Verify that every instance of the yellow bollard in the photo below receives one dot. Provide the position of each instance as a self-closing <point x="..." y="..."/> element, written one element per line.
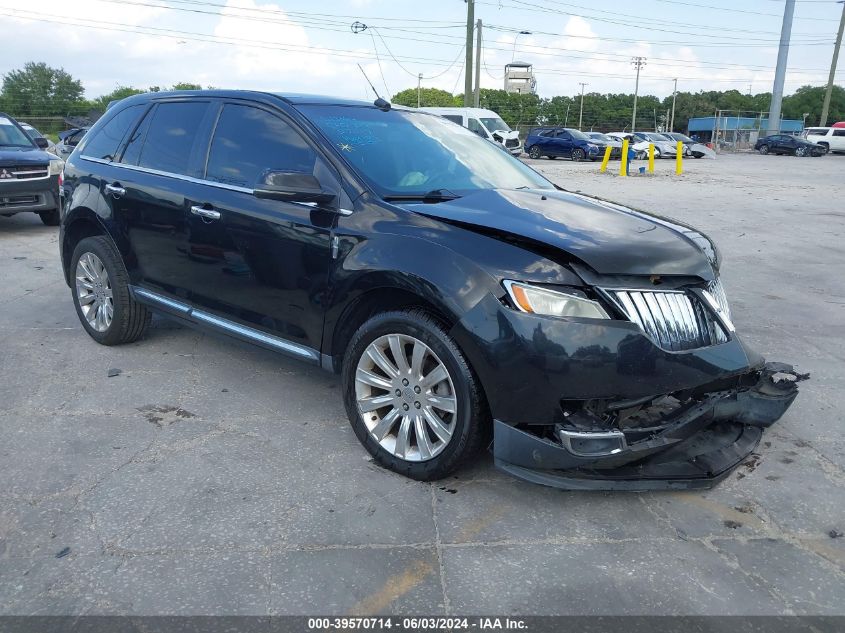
<point x="606" y="159"/>
<point x="679" y="159"/>
<point x="623" y="164"/>
<point x="651" y="158"/>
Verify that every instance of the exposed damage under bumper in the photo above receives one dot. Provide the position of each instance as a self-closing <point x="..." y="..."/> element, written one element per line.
<point x="683" y="441"/>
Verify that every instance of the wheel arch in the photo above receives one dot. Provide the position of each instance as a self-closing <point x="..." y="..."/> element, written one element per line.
<point x="381" y="295"/>
<point x="84" y="223"/>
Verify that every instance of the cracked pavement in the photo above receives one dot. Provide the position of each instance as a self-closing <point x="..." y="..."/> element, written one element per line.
<point x="211" y="478"/>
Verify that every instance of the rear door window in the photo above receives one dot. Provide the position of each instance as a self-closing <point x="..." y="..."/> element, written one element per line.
<point x="839" y="132"/>
<point x="104" y="143"/>
<point x="454" y="118"/>
<point x="248" y="141"/>
<point x="171" y="136"/>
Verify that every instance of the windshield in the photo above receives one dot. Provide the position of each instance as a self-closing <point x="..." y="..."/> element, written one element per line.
<point x="579" y="135"/>
<point x="31" y="131"/>
<point x="601" y="137"/>
<point x="654" y="137"/>
<point x="405" y="153"/>
<point x="495" y="123"/>
<point x="682" y="137"/>
<point x="11" y="135"/>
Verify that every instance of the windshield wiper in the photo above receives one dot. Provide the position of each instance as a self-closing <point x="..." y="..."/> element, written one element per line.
<point x="433" y="196"/>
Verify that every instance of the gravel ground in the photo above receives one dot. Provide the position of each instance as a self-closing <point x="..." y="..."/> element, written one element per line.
<point x="208" y="478"/>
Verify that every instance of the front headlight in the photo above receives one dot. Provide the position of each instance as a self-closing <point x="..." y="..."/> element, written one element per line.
<point x="56" y="167"/>
<point x="552" y="303"/>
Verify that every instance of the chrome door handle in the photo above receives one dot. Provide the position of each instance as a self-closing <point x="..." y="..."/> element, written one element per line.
<point x="115" y="190"/>
<point x="211" y="214"/>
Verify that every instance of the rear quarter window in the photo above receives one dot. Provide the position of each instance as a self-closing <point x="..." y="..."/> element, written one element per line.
<point x="104" y="143"/>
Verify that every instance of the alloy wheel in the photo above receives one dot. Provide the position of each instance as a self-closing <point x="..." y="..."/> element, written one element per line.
<point x="406" y="397"/>
<point x="764" y="149"/>
<point x="578" y="154"/>
<point x="534" y="152"/>
<point x="94" y="292"/>
<point x="801" y="151"/>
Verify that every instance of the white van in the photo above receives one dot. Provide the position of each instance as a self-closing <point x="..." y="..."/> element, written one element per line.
<point x="833" y="138"/>
<point x="483" y="122"/>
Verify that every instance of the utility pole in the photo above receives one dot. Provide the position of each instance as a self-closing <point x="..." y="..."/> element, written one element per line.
<point x="780" y="69"/>
<point x="826" y="104"/>
<point x="674" y="96"/>
<point x="581" y="113"/>
<point x="638" y="62"/>
<point x="419" y="87"/>
<point x="477" y="95"/>
<point x="468" y="63"/>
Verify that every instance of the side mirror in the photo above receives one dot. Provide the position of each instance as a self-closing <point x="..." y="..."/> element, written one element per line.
<point x="42" y="142"/>
<point x="291" y="186"/>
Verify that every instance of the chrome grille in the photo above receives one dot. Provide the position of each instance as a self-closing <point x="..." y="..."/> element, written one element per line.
<point x="715" y="288"/>
<point x="23" y="172"/>
<point x="675" y="320"/>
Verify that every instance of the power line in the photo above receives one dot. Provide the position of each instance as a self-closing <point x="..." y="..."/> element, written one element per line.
<point x="733" y="40"/>
<point x="259" y="44"/>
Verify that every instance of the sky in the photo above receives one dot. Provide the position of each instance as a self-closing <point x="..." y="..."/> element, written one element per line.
<point x="310" y="46"/>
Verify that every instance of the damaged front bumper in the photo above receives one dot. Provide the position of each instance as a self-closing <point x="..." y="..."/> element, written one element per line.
<point x="695" y="445"/>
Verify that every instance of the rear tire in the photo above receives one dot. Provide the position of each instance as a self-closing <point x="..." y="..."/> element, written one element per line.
<point x="764" y="149"/>
<point x="123" y="319"/>
<point x="534" y="152"/>
<point x="50" y="218"/>
<point x="800" y="151"/>
<point x="415" y="448"/>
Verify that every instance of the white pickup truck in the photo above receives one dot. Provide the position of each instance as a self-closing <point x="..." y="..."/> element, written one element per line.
<point x="833" y="138"/>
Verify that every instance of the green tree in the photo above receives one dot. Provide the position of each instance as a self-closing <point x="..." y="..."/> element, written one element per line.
<point x="39" y="90"/>
<point x="429" y="98"/>
<point x="121" y="92"/>
<point x="809" y="99"/>
<point x="184" y="85"/>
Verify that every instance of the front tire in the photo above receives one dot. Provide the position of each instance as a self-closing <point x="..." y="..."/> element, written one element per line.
<point x="411" y="397"/>
<point x="578" y="154"/>
<point x="50" y="218"/>
<point x="534" y="152"/>
<point x="100" y="288"/>
<point x="764" y="149"/>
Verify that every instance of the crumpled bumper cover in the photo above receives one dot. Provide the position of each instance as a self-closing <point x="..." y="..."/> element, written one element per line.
<point x="703" y="443"/>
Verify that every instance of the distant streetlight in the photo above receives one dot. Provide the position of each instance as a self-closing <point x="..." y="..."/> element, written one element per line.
<point x="513" y="55"/>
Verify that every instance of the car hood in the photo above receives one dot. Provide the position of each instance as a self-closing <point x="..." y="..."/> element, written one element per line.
<point x="24" y="156"/>
<point x="609" y="238"/>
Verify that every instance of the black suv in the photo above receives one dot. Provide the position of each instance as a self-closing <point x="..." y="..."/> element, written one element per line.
<point x="30" y="177"/>
<point x="459" y="293"/>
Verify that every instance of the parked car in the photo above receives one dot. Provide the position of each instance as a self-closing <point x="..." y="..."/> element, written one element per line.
<point x="831" y="138"/>
<point x="787" y="144"/>
<point x="454" y="288"/>
<point x="664" y="147"/>
<point x="552" y="142"/>
<point x="696" y="149"/>
<point x="35" y="135"/>
<point x="640" y="147"/>
<point x="603" y="141"/>
<point x="29" y="176"/>
<point x="486" y="123"/>
<point x="68" y="141"/>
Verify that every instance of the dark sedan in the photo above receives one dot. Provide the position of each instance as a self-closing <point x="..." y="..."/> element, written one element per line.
<point x="786" y="144"/>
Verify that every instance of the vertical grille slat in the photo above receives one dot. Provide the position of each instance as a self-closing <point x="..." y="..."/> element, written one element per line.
<point x="675" y="320"/>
